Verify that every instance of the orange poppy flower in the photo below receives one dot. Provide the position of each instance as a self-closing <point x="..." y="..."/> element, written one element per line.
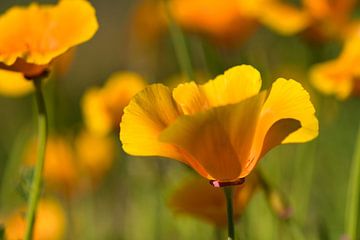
<point x="50" y="222"/>
<point x="103" y="107"/>
<point x="32" y="37"/>
<point x="221" y="20"/>
<point x="198" y="198"/>
<point x="320" y="19"/>
<point x="330" y="18"/>
<point x="341" y="75"/>
<point x="221" y="128"/>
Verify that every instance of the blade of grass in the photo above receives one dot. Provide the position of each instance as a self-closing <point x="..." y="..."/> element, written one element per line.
<point x="352" y="200"/>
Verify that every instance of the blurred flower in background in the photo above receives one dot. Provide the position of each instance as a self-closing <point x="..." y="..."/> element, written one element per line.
<point x="51" y="222"/>
<point x="95" y="154"/>
<point x="197" y="198"/>
<point x="103" y="107"/>
<point x="282" y="17"/>
<point x="60" y="170"/>
<point x="222" y="21"/>
<point x="340" y="76"/>
<point x="148" y="21"/>
<point x="320" y="20"/>
<point x="197" y="124"/>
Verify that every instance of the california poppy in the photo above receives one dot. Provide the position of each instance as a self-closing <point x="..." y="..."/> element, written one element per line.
<point x="222" y="21"/>
<point x="221" y="128"/>
<point x="34" y="36"/>
<point x="103" y="107"/>
<point x="340" y="76"/>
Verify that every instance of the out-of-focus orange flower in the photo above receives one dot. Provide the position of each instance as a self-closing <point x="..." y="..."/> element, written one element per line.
<point x="341" y="75"/>
<point x="33" y="37"/>
<point x="103" y="107"/>
<point x="330" y="18"/>
<point x="60" y="170"/>
<point x="221" y="20"/>
<point x="279" y="16"/>
<point x="148" y="21"/>
<point x="95" y="153"/>
<point x="50" y="222"/>
<point x="320" y="20"/>
<point x="198" y="198"/>
<point x="221" y="128"/>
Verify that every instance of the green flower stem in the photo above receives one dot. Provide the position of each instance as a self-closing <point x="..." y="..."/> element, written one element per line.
<point x="230" y="215"/>
<point x="178" y="40"/>
<point x="352" y="200"/>
<point x="37" y="180"/>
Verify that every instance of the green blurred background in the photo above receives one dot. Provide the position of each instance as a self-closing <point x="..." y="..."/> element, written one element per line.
<point x="132" y="201"/>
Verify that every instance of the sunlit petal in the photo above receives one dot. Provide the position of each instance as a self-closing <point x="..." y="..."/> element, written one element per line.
<point x="218" y="139"/>
<point x="149" y="112"/>
<point x="14" y="84"/>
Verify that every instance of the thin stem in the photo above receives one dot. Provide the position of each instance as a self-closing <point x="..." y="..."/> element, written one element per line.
<point x="178" y="40"/>
<point x="230" y="216"/>
<point x="352" y="201"/>
<point x="36" y="184"/>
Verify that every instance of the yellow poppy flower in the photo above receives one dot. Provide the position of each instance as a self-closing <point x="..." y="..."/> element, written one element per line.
<point x="341" y="75"/>
<point x="198" y="198"/>
<point x="221" y="20"/>
<point x="221" y="128"/>
<point x="60" y="170"/>
<point x="97" y="161"/>
<point x="32" y="37"/>
<point x="103" y="107"/>
<point x="50" y="222"/>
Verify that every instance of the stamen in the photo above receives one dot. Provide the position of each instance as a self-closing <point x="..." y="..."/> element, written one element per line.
<point x="217" y="184"/>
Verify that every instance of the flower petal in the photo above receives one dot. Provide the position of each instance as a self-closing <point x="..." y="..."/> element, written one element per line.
<point x="283" y="18"/>
<point x="218" y="140"/>
<point x="149" y="113"/>
<point x="13" y="84"/>
<point x="288" y="99"/>
<point x="332" y="77"/>
<point x="96" y="117"/>
<point x="235" y="85"/>
<point x="287" y="105"/>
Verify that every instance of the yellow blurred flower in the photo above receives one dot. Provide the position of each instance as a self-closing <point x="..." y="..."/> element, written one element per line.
<point x="198" y="198"/>
<point x="341" y="75"/>
<point x="60" y="170"/>
<point x="50" y="223"/>
<point x="95" y="153"/>
<point x="103" y="107"/>
<point x="221" y="20"/>
<point x="34" y="36"/>
<point x="221" y="128"/>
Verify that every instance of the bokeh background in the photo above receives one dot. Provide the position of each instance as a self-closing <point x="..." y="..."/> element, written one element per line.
<point x="131" y="199"/>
